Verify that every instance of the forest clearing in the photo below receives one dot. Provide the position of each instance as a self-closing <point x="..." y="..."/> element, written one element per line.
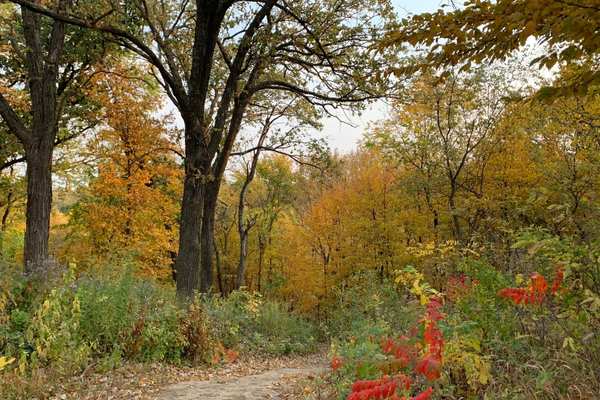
<point x="299" y="199"/>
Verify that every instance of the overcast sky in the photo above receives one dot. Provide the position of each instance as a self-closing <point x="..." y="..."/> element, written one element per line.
<point x="344" y="138"/>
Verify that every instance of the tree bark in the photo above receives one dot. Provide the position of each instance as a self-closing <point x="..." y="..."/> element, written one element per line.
<point x="43" y="78"/>
<point x="190" y="224"/>
<point x="39" y="200"/>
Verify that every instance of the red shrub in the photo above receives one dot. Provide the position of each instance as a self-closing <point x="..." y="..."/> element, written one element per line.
<point x="405" y="352"/>
<point x="535" y="293"/>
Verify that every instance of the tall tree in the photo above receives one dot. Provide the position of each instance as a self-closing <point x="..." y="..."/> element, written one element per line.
<point x="42" y="68"/>
<point x="318" y="50"/>
<point x="281" y="130"/>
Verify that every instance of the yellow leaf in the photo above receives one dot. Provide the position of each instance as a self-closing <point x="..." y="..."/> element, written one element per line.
<point x="5" y="361"/>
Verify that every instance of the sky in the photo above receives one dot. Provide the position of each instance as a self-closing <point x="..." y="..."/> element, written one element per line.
<point x="343" y="137"/>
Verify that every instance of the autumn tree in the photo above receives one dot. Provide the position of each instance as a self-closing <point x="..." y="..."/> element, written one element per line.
<point x="44" y="66"/>
<point x="564" y="142"/>
<point x="481" y="32"/>
<point x="352" y="225"/>
<point x="224" y="245"/>
<point x="281" y="130"/>
<point x="440" y="133"/>
<point x="278" y="188"/>
<point x="130" y="207"/>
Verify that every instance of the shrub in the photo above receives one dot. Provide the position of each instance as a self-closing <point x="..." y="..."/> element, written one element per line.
<point x="197" y="334"/>
<point x="399" y="365"/>
<point x="248" y="321"/>
<point x="365" y="305"/>
<point x="533" y="329"/>
<point x="64" y="323"/>
<point x="130" y="318"/>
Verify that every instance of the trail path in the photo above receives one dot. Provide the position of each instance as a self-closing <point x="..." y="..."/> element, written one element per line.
<point x="272" y="384"/>
<point x="251" y="378"/>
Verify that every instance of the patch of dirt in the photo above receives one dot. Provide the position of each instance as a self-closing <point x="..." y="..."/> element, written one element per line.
<point x="272" y="384"/>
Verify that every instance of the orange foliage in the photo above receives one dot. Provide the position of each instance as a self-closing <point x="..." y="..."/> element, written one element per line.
<point x="130" y="207"/>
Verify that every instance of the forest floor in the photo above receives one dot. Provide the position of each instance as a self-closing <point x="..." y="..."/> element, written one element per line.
<point x="282" y="378"/>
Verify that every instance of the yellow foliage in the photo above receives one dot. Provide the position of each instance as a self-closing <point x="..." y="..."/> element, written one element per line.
<point x="415" y="282"/>
<point x="462" y="356"/>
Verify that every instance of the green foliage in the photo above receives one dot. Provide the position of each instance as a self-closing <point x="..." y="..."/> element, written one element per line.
<point x="55" y="329"/>
<point x="80" y="319"/>
<point x="482" y="31"/>
<point x="248" y="321"/>
<point x="548" y="349"/>
<point x="481" y="308"/>
<point x="366" y="305"/>
<point x="129" y="318"/>
<point x="11" y="244"/>
<point x="54" y="332"/>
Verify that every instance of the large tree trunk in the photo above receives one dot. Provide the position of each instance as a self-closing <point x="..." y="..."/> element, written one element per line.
<point x="38" y="141"/>
<point x="39" y="200"/>
<point x="190" y="224"/>
<point x="202" y="179"/>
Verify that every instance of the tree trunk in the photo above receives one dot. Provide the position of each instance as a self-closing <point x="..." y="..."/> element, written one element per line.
<point x="39" y="200"/>
<point x="241" y="271"/>
<point x="190" y="224"/>
<point x="207" y="238"/>
<point x="261" y="256"/>
<point x="6" y="213"/>
<point x="218" y="267"/>
<point x="244" y="228"/>
<point x="4" y="220"/>
<point x="455" y="221"/>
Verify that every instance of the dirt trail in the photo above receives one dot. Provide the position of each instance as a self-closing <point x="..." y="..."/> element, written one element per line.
<point x="271" y="384"/>
<point x="249" y="377"/>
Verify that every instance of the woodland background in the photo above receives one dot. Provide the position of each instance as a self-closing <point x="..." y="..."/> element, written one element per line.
<point x="457" y="246"/>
